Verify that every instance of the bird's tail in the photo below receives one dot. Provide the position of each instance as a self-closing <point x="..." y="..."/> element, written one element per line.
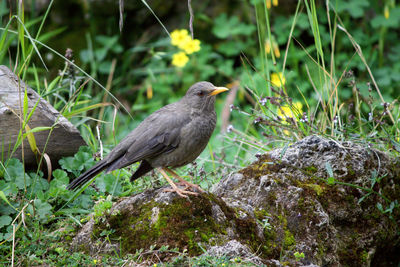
<point x="86" y="176"/>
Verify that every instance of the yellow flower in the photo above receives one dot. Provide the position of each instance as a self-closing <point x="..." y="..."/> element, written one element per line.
<point x="276" y="50"/>
<point x="277" y="79"/>
<point x="274" y="3"/>
<point x="179" y="59"/>
<point x="289" y="112"/>
<point x="149" y="92"/>
<point x="191" y="46"/>
<point x="180" y="37"/>
<point x="386" y="12"/>
<point x="268" y="46"/>
<point x="285" y="112"/>
<point x="268" y="2"/>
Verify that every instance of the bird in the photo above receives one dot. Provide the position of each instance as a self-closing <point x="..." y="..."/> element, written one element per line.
<point x="170" y="137"/>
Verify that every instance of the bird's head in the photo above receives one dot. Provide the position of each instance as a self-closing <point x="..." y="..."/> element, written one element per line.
<point x="201" y="95"/>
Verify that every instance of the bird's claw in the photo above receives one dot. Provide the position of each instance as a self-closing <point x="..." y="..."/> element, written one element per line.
<point x="188" y="185"/>
<point x="181" y="192"/>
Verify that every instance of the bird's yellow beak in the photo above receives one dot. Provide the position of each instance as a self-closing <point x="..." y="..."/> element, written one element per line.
<point x="217" y="90"/>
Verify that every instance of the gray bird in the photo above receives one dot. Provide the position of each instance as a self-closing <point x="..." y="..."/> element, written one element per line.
<point x="171" y="137"/>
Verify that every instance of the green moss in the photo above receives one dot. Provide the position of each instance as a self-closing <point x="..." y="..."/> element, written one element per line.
<point x="316" y="188"/>
<point x="364" y="256"/>
<point x="321" y="248"/>
<point x="84" y="248"/>
<point x="289" y="240"/>
<point x="262" y="167"/>
<point x="261" y="214"/>
<point x="350" y="201"/>
<point x="311" y="169"/>
<point x="300" y="204"/>
<point x="182" y="224"/>
<point x="350" y="172"/>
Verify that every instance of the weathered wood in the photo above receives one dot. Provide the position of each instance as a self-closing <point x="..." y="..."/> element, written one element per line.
<point x="64" y="140"/>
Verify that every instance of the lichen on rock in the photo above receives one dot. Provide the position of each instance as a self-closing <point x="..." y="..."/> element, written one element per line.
<point x="331" y="224"/>
<point x="156" y="218"/>
<point x="274" y="210"/>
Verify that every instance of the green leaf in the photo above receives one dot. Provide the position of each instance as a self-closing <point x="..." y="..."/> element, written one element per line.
<point x="8" y="188"/>
<point x="37" y="129"/>
<point x="8" y="210"/>
<point x="331" y="181"/>
<point x="84" y="201"/>
<point x="61" y="176"/>
<point x="380" y="208"/>
<point x="7" y="235"/>
<point x="41" y="195"/>
<point x="84" y="109"/>
<point x="106" y="183"/>
<point x="58" y="184"/>
<point x="226" y="67"/>
<point x="363" y="197"/>
<point x="25" y="107"/>
<point x="231" y="48"/>
<point x="5" y="220"/>
<point x="46" y="36"/>
<point x="356" y="9"/>
<point x="84" y="160"/>
<point x="4" y="198"/>
<point x="43" y="209"/>
<point x="104" y="67"/>
<point x="225" y="27"/>
<point x="107" y="41"/>
<point x="328" y="168"/>
<point x="41" y="184"/>
<point x="53" y="83"/>
<point x="101" y="53"/>
<point x="3" y="8"/>
<point x="16" y="175"/>
<point x="67" y="163"/>
<point x="85" y="55"/>
<point x="392" y="22"/>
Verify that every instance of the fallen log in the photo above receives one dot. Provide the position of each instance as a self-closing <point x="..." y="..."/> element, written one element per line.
<point x="63" y="140"/>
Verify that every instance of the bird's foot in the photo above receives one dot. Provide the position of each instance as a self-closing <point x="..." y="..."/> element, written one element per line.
<point x="189" y="185"/>
<point x="181" y="192"/>
<point x="183" y="182"/>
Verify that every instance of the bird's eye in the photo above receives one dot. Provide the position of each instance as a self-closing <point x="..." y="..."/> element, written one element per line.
<point x="200" y="93"/>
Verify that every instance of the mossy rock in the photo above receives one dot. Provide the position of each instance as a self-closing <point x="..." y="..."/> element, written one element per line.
<point x="336" y="224"/>
<point x="155" y="218"/>
<point x="280" y="208"/>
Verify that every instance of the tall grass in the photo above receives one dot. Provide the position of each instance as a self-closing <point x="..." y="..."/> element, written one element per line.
<point x="331" y="115"/>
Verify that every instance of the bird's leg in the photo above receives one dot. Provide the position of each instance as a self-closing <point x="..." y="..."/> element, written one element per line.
<point x="180" y="192"/>
<point x="182" y="181"/>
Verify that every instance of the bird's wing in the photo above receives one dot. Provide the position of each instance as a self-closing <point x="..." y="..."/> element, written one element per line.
<point x="158" y="133"/>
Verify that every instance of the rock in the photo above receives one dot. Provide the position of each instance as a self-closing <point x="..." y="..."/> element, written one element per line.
<point x="155" y="218"/>
<point x="64" y="140"/>
<point x="333" y="225"/>
<point x="235" y="249"/>
<point x="282" y="210"/>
